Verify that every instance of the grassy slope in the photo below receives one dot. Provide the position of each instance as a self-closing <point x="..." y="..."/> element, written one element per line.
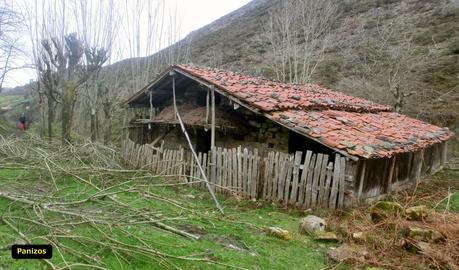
<point x="264" y="252"/>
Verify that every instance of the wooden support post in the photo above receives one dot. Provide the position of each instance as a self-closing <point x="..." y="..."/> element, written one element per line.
<point x="362" y="178"/>
<point x="419" y="161"/>
<point x="390" y="177"/>
<point x="207" y="108"/>
<point x="212" y="131"/>
<point x="151" y="105"/>
<point x="194" y="155"/>
<point x="203" y="174"/>
<point x="172" y="73"/>
<point x="444" y="153"/>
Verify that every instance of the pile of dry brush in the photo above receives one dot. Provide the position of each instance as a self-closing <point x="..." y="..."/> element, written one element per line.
<point x="385" y="243"/>
<point x="40" y="209"/>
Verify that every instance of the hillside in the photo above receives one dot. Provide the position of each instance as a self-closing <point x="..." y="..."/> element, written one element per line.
<point x="239" y="42"/>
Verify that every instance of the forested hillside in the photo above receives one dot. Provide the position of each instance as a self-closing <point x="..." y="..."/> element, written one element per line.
<point x="389" y="51"/>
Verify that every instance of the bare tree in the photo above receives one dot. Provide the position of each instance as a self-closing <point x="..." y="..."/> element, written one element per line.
<point x="97" y="27"/>
<point x="10" y="24"/>
<point x="298" y="34"/>
<point x="384" y="62"/>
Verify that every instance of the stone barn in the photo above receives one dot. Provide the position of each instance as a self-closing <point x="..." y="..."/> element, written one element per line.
<point x="381" y="149"/>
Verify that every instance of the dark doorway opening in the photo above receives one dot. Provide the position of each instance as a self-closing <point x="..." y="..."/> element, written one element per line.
<point x="202" y="140"/>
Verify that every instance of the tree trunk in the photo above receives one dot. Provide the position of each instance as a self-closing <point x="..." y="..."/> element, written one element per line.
<point x="41" y="98"/>
<point x="67" y="105"/>
<point x="50" y="117"/>
<point x="107" y="122"/>
<point x="93" y="125"/>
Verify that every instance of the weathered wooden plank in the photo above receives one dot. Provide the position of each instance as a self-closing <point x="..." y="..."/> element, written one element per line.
<point x="315" y="182"/>
<point x="288" y="179"/>
<point x="222" y="170"/>
<point x="296" y="178"/>
<point x="269" y="177"/>
<point x="390" y="176"/>
<point x="191" y="178"/>
<point x="249" y="172"/>
<point x="265" y="178"/>
<point x="197" y="172"/>
<point x="165" y="162"/>
<point x="235" y="174"/>
<point x="309" y="181"/>
<point x="182" y="162"/>
<point x="322" y="176"/>
<point x="172" y="163"/>
<point x="205" y="168"/>
<point x="342" y="182"/>
<point x="275" y="180"/>
<point x="282" y="177"/>
<point x="335" y="182"/>
<point x="177" y="162"/>
<point x="218" y="183"/>
<point x="304" y="174"/>
<point x="170" y="170"/>
<point x="419" y="161"/>
<point x="444" y="153"/>
<point x="213" y="167"/>
<point x="139" y="153"/>
<point x="226" y="171"/>
<point x="255" y="169"/>
<point x="328" y="180"/>
<point x="244" y="171"/>
<point x="239" y="171"/>
<point x="229" y="171"/>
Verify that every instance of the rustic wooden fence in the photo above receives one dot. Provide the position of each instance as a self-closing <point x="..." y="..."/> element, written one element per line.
<point x="157" y="160"/>
<point x="303" y="180"/>
<point x="230" y="171"/>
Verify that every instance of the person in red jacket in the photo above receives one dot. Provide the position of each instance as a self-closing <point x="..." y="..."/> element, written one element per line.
<point x="23" y="122"/>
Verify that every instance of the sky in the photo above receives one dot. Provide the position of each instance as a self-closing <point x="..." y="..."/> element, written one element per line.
<point x="193" y="14"/>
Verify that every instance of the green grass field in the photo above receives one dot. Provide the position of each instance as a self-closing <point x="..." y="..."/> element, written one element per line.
<point x="98" y="215"/>
<point x="233" y="241"/>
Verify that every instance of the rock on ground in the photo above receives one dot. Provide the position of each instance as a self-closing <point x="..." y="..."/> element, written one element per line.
<point x="383" y="209"/>
<point x="311" y="224"/>
<point x="419" y="212"/>
<point x="279" y="233"/>
<point x="347" y="252"/>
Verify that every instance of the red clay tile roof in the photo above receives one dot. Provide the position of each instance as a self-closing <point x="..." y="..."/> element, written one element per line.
<point x="369" y="135"/>
<point x="268" y="96"/>
<point x="354" y="125"/>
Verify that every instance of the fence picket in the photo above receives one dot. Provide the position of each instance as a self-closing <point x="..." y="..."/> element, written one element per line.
<point x="255" y="173"/>
<point x="295" y="180"/>
<point x="249" y="173"/>
<point x="315" y="182"/>
<point x="288" y="179"/>
<point x="342" y="179"/>
<point x="321" y="183"/>
<point x="235" y="176"/>
<point x="335" y="180"/>
<point x="304" y="174"/>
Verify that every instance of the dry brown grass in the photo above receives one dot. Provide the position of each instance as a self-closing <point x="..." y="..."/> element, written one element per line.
<point x="385" y="242"/>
